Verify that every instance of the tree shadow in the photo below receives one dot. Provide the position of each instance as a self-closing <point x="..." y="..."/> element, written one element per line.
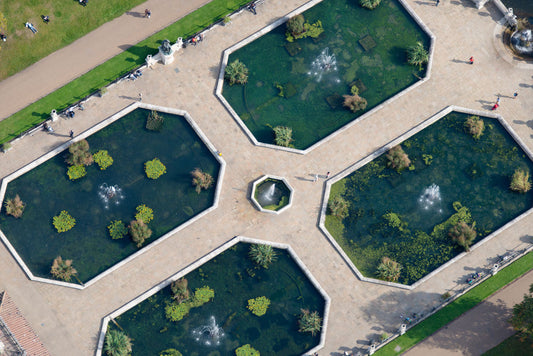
<point x="528" y="123"/>
<point x="214" y="70"/>
<point x="464" y="3"/>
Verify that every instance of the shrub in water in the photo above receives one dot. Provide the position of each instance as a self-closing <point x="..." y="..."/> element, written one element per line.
<point x="117" y="343"/>
<point x="139" y="232"/>
<point x="176" y="312"/>
<point x="170" y="352"/>
<point x="259" y="305"/>
<point x="283" y="136"/>
<point x="475" y="126"/>
<point x="201" y="180"/>
<point x="309" y="322"/>
<point x="117" y="229"/>
<point x="154" y="121"/>
<point x="236" y="72"/>
<point x="64" y="222"/>
<point x="180" y="292"/>
<point x="389" y="270"/>
<point x="417" y="55"/>
<point x="154" y="168"/>
<point x="246" y="350"/>
<point x="354" y="102"/>
<point x="338" y="207"/>
<point x="14" y="207"/>
<point x="263" y="255"/>
<point x="369" y="4"/>
<point x="76" y="172"/>
<point x="79" y="154"/>
<point x="62" y="269"/>
<point x="463" y="234"/>
<point x="520" y="181"/>
<point x="144" y="214"/>
<point x="202" y="296"/>
<point x="398" y="159"/>
<point x="298" y="28"/>
<point x="103" y="159"/>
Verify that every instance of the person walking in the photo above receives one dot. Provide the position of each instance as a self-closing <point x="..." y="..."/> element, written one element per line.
<point x="437" y="2"/>
<point x="515" y="95"/>
<point x="498" y="101"/>
<point x="327" y="175"/>
<point x="140" y="96"/>
<point x="471" y="60"/>
<point x="316" y="178"/>
<point x="147" y="13"/>
<point x="71" y="134"/>
<point x="495" y="106"/>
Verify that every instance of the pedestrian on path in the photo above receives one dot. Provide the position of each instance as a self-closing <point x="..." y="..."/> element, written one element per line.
<point x="316" y="178"/>
<point x="498" y="101"/>
<point x="140" y="96"/>
<point x="515" y="95"/>
<point x="327" y="175"/>
<point x="471" y="60"/>
<point x="495" y="106"/>
<point x="147" y="13"/>
<point x="71" y="134"/>
<point x="437" y="3"/>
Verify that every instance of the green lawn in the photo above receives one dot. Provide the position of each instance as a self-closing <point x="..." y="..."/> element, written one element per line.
<point x="462" y="304"/>
<point x="68" y="22"/>
<point x="512" y="346"/>
<point x="114" y="68"/>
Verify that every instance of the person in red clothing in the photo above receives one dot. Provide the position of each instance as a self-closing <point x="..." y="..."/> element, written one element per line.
<point x="471" y="60"/>
<point x="495" y="106"/>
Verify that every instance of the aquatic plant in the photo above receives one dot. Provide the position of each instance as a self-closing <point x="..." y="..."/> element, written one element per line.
<point x="154" y="168"/>
<point x="154" y="121"/>
<point x="14" y="207"/>
<point x="298" y="28"/>
<point x="79" y="154"/>
<point x="62" y="269"/>
<point x="176" y="312"/>
<point x="475" y="126"/>
<point x="295" y="25"/>
<point x="202" y="295"/>
<point x="520" y="181"/>
<point x="398" y="159"/>
<point x="259" y="305"/>
<point x="263" y="255"/>
<point x="144" y="214"/>
<point x="236" y="72"/>
<point x="64" y="222"/>
<point x="389" y="270"/>
<point x="246" y="350"/>
<point x="417" y="55"/>
<point x="117" y="229"/>
<point x="170" y="352"/>
<point x="117" y="343"/>
<point x="76" y="172"/>
<point x="201" y="180"/>
<point x="309" y="322"/>
<point x="338" y="207"/>
<point x="283" y="136"/>
<point x="354" y="102"/>
<point x="463" y="234"/>
<point x="103" y="159"/>
<point x="369" y="4"/>
<point x="180" y="292"/>
<point x="139" y="232"/>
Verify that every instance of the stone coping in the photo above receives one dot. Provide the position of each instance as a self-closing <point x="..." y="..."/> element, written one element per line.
<point x="200" y="262"/>
<point x="256" y="203"/>
<point x="280" y="21"/>
<point x="384" y="149"/>
<point x="84" y="135"/>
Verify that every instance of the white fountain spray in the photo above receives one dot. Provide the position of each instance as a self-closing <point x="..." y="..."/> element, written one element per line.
<point x="209" y="334"/>
<point x="323" y="64"/>
<point x="430" y="198"/>
<point x="110" y="194"/>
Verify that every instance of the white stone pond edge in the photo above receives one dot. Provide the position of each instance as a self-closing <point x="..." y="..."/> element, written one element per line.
<point x="200" y="262"/>
<point x="256" y="203"/>
<point x="84" y="135"/>
<point x="282" y="20"/>
<point x="384" y="149"/>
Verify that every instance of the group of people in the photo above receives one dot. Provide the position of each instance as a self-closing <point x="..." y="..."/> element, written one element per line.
<point x="196" y="39"/>
<point x="135" y="74"/>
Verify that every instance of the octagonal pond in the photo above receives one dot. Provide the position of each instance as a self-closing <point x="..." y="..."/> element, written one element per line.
<point x="225" y="322"/>
<point x="452" y="182"/>
<point x="114" y="194"/>
<point x="301" y="84"/>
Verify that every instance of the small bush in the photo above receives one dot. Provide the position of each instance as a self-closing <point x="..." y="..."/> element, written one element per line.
<point x="236" y="72"/>
<point x="144" y="214"/>
<point x="117" y="229"/>
<point x="298" y="28"/>
<point x="154" y="168"/>
<point x="417" y="55"/>
<point x="202" y="296"/>
<point x="369" y="4"/>
<point x="14" y="207"/>
<point x="176" y="312"/>
<point x="246" y="350"/>
<point x="475" y="126"/>
<point x="263" y="255"/>
<point x="62" y="269"/>
<point x="259" y="305"/>
<point x="117" y="343"/>
<point x="154" y="121"/>
<point x="520" y="181"/>
<point x="283" y="136"/>
<point x="338" y="207"/>
<point x="309" y="322"/>
<point x="463" y="234"/>
<point x="295" y="25"/>
<point x="76" y="172"/>
<point x="103" y="159"/>
<point x="354" y="102"/>
<point x="170" y="352"/>
<point x="79" y="154"/>
<point x="64" y="222"/>
<point x="139" y="232"/>
<point x="398" y="159"/>
<point x="389" y="270"/>
<point x="6" y="146"/>
<point x="180" y="292"/>
<point x="201" y="180"/>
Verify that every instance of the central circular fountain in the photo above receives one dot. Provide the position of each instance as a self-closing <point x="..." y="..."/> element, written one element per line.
<point x="272" y="194"/>
<point x="522" y="42"/>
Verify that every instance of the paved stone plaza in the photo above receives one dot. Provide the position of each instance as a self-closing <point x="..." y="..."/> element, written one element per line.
<point x="68" y="319"/>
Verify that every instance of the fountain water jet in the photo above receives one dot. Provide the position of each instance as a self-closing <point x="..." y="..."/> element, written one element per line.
<point x="209" y="334"/>
<point x="323" y="64"/>
<point x="110" y="194"/>
<point x="430" y="197"/>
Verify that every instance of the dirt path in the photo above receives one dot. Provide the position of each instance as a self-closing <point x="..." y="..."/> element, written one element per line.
<point x="479" y="329"/>
<point x="93" y="49"/>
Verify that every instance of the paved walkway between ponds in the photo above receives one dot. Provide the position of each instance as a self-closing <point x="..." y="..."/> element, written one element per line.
<point x="86" y="53"/>
<point x="67" y="319"/>
<point x="479" y="329"/>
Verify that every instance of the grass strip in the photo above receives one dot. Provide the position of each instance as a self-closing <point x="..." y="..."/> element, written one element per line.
<point x="114" y="68"/>
<point x="512" y="346"/>
<point x="462" y="304"/>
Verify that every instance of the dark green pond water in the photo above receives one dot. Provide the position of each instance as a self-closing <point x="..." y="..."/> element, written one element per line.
<point x="382" y="70"/>
<point x="47" y="191"/>
<point x="235" y="279"/>
<point x="475" y="173"/>
<point x="521" y="8"/>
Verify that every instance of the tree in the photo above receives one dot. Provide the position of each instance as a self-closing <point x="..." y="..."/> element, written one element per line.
<point x="139" y="232"/>
<point x="180" y="292"/>
<point x="522" y="319"/>
<point x="117" y="343"/>
<point x="463" y="234"/>
<point x="389" y="270"/>
<point x="295" y="25"/>
<point x="283" y="136"/>
<point x="398" y="159"/>
<point x="417" y="55"/>
<point x="14" y="207"/>
<point x="261" y="254"/>
<point x="236" y="72"/>
<point x="520" y="181"/>
<point x="354" y="102"/>
<point x="201" y="180"/>
<point x="309" y="322"/>
<point x="62" y="269"/>
<point x="79" y="154"/>
<point x="475" y="126"/>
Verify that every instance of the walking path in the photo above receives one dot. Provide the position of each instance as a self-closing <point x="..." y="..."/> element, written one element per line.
<point x="479" y="329"/>
<point x="93" y="49"/>
<point x="67" y="319"/>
